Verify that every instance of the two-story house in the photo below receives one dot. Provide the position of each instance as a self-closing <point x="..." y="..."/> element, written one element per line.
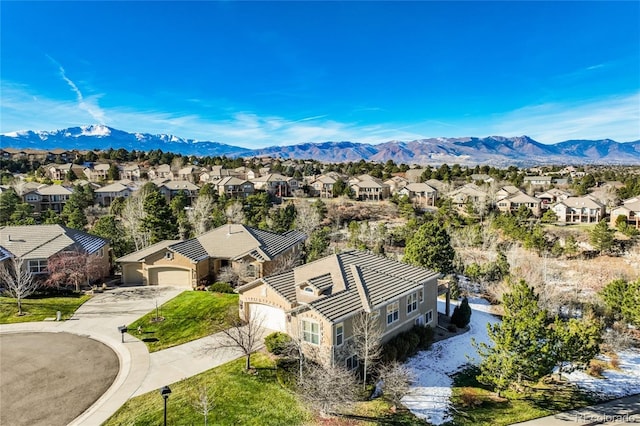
<point x="318" y="302"/>
<point x="232" y="186"/>
<point x="630" y="209"/>
<point x="579" y="210"/>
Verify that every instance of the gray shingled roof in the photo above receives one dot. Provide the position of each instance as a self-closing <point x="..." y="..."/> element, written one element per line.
<point x="382" y="279"/>
<point x="191" y="249"/>
<point x="140" y="255"/>
<point x="43" y="241"/>
<point x="272" y="244"/>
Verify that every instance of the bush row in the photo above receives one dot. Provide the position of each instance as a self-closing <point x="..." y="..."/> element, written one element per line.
<point x="407" y="344"/>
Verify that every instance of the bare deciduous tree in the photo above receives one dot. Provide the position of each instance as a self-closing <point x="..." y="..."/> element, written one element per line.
<point x="199" y="215"/>
<point x="17" y="280"/>
<point x="133" y="215"/>
<point x="396" y="380"/>
<point x="245" y="335"/>
<point x="328" y="389"/>
<point x="203" y="403"/>
<point x="227" y="274"/>
<point x="307" y="218"/>
<point x="285" y="262"/>
<point x="367" y="340"/>
<point x="235" y="213"/>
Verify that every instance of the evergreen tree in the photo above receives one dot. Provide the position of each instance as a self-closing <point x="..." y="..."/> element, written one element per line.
<point x="602" y="237"/>
<point x="462" y="314"/>
<point x="431" y="248"/>
<point x="281" y="219"/>
<point x="113" y="173"/>
<point x="50" y="217"/>
<point x="575" y="342"/>
<point x="522" y="349"/>
<point x="9" y="200"/>
<point x="110" y="228"/>
<point x="318" y="244"/>
<point x="22" y="215"/>
<point x="159" y="221"/>
<point x="623" y="300"/>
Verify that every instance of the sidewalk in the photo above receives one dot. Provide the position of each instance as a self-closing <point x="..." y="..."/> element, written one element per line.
<point x="140" y="372"/>
<point x="623" y="411"/>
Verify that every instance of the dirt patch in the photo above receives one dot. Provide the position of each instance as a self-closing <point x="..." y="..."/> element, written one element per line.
<point x="50" y="379"/>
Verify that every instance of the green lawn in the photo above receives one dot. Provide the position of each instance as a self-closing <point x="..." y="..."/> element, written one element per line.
<point x="239" y="398"/>
<point x="476" y="405"/>
<point x="188" y="316"/>
<point x="39" y="308"/>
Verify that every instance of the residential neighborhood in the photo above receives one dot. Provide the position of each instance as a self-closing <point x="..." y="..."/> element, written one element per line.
<point x="298" y="257"/>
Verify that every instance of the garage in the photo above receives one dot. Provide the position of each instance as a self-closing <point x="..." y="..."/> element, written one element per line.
<point x="132" y="274"/>
<point x="170" y="276"/>
<point x="272" y="318"/>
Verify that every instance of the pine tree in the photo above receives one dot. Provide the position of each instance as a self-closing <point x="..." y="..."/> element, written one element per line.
<point x="462" y="314"/>
<point x="522" y="349"/>
<point x="575" y="342"/>
<point x="431" y="248"/>
<point x="159" y="220"/>
<point x="601" y="236"/>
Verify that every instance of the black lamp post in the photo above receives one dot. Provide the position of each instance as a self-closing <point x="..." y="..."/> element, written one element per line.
<point x="165" y="392"/>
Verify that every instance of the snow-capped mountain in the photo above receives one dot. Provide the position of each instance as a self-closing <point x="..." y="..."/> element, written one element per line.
<point x="495" y="150"/>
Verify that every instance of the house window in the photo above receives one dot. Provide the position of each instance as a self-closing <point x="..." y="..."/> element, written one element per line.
<point x="421" y="296"/>
<point x="251" y="270"/>
<point x="412" y="302"/>
<point x="352" y="362"/>
<point x="419" y="321"/>
<point x="428" y="317"/>
<point x="168" y="255"/>
<point x="393" y="312"/>
<point x="311" y="332"/>
<point x="339" y="334"/>
<point x="38" y="266"/>
<point x="308" y="290"/>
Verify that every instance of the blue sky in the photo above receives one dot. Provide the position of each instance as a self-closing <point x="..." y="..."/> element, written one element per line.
<point x="255" y="74"/>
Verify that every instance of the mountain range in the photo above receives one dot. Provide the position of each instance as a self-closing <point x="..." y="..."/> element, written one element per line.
<point x="495" y="150"/>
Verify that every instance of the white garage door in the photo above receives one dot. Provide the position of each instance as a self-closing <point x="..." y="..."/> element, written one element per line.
<point x="272" y="318"/>
<point x="170" y="277"/>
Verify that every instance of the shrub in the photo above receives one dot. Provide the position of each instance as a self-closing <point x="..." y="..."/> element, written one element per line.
<point x="221" y="287"/>
<point x="277" y="342"/>
<point x="462" y="314"/>
<point x="407" y="344"/>
<point x="470" y="397"/>
<point x="595" y="368"/>
<point x="452" y="328"/>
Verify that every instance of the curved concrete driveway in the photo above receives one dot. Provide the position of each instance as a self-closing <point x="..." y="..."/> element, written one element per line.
<point x="140" y="371"/>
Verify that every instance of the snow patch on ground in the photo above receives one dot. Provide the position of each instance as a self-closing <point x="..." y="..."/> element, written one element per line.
<point x="429" y="397"/>
<point x="433" y="368"/>
<point x="616" y="383"/>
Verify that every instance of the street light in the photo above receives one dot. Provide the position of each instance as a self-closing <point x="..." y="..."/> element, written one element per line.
<point x="165" y="392"/>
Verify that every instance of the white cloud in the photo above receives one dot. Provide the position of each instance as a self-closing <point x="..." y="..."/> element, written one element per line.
<point x="90" y="105"/>
<point x="615" y="118"/>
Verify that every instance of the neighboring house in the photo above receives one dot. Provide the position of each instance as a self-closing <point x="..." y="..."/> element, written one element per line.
<point x="513" y="202"/>
<point x="368" y="188"/>
<point x="232" y="186"/>
<point x="163" y="171"/>
<point x="538" y="180"/>
<point x="105" y="195"/>
<point x="551" y="196"/>
<point x="58" y="171"/>
<point x="132" y="172"/>
<point x="60" y="155"/>
<point x="273" y="183"/>
<point x="579" y="210"/>
<point x="318" y="301"/>
<point x="468" y="193"/>
<point x="171" y="188"/>
<point x="414" y="175"/>
<point x="420" y="193"/>
<point x="630" y="209"/>
<point x="189" y="173"/>
<point x="37" y="243"/>
<point x="484" y="178"/>
<point x="322" y="186"/>
<point x="396" y="183"/>
<point x="507" y="191"/>
<point x="252" y="253"/>
<point x="48" y="197"/>
<point x="97" y="173"/>
<point x="245" y="173"/>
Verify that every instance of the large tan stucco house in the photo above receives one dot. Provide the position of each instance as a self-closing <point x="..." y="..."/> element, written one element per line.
<point x="35" y="244"/>
<point x="318" y="302"/>
<point x="252" y="253"/>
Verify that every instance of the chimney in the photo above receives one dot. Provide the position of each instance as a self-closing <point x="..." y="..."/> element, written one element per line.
<point x="8" y="237"/>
